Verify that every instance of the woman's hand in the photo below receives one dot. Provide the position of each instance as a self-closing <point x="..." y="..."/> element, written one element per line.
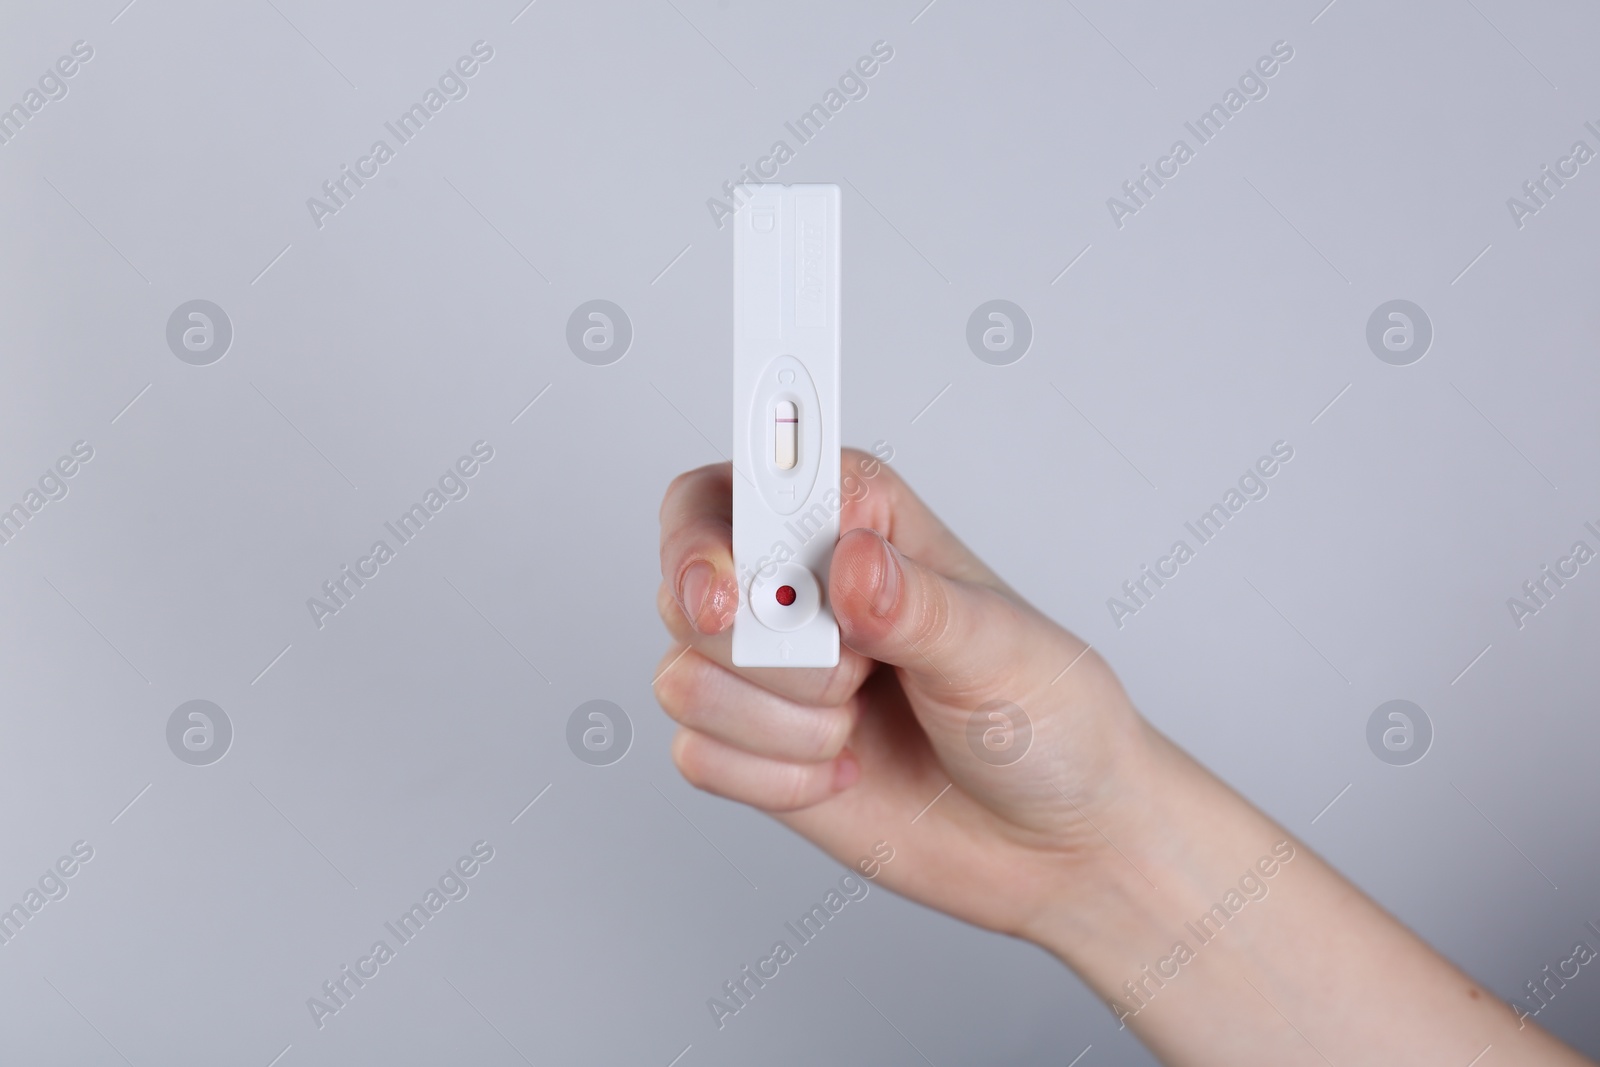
<point x="1204" y="925"/>
<point x="938" y="657"/>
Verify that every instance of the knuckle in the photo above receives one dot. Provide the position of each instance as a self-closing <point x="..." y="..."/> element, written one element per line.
<point x="794" y="788"/>
<point x="707" y="537"/>
<point x="689" y="480"/>
<point x="674" y="547"/>
<point x="677" y="685"/>
<point x="675" y="488"/>
<point x="686" y="752"/>
<point x="838" y="685"/>
<point x="827" y="732"/>
<point x="930" y="628"/>
<point x="678" y="481"/>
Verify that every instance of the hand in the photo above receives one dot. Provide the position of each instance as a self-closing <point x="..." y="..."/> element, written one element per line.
<point x="849" y="756"/>
<point x="1104" y="842"/>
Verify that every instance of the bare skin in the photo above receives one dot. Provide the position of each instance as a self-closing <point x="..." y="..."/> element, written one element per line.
<point x="1105" y="844"/>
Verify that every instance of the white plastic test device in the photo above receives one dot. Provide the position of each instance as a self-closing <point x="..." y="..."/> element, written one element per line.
<point x="785" y="424"/>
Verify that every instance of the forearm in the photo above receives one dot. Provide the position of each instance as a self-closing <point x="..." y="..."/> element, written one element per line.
<point x="1219" y="939"/>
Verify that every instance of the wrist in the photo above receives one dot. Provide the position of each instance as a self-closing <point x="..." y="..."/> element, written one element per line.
<point x="1173" y="841"/>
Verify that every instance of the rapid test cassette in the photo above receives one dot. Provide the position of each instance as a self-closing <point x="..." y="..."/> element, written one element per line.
<point x="785" y="424"/>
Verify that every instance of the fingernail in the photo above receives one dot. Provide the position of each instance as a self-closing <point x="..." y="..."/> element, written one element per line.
<point x="846" y="771"/>
<point x="693" y="588"/>
<point x="722" y="602"/>
<point x="888" y="592"/>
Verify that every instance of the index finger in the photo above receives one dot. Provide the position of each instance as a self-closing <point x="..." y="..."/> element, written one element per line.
<point x="697" y="546"/>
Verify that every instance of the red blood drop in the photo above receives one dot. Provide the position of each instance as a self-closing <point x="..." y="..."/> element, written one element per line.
<point x="786" y="595"/>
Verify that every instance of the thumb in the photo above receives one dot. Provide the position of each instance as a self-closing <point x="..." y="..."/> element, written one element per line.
<point x="961" y="643"/>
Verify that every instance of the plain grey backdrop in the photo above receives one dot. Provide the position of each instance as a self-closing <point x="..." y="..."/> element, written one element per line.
<point x="374" y="345"/>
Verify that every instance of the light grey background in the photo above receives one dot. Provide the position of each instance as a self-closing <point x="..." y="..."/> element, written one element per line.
<point x="428" y="313"/>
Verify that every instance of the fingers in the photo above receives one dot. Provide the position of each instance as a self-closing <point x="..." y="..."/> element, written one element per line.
<point x="769" y="784"/>
<point x="714" y="701"/>
<point x="697" y="534"/>
<point x="697" y="547"/>
<point x="814" y="686"/>
<point x="959" y="640"/>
